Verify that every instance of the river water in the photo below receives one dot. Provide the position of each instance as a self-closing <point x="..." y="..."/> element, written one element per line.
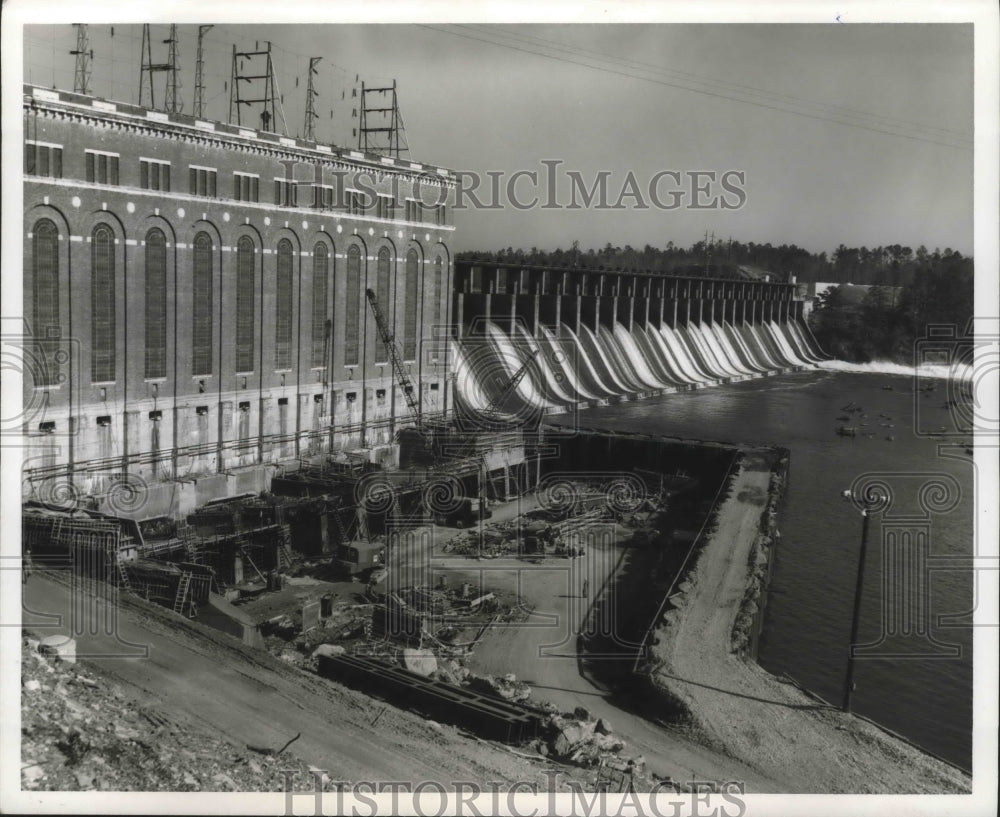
<point x="918" y="681"/>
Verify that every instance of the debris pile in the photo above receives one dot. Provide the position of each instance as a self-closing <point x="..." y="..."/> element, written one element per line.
<point x="504" y="686"/>
<point x="80" y="731"/>
<point x="579" y="738"/>
<point x="497" y="540"/>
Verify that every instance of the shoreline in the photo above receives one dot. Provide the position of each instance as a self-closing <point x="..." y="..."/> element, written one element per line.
<point x="778" y="727"/>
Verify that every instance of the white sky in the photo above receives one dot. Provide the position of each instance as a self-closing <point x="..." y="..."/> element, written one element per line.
<point x="667" y="97"/>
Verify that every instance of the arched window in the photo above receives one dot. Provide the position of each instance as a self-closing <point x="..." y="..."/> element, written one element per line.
<point x="202" y="290"/>
<point x="45" y="296"/>
<point x="354" y="306"/>
<point x="102" y="304"/>
<point x="156" y="304"/>
<point x="245" y="260"/>
<point x="320" y="331"/>
<point x="384" y="293"/>
<point x="438" y="287"/>
<point x="283" y="307"/>
<point x="410" y="306"/>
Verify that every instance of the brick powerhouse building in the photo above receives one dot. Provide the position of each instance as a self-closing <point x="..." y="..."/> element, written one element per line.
<point x="196" y="296"/>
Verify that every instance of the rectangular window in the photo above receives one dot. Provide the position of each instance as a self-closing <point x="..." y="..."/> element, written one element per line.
<point x="410" y="307"/>
<point x="45" y="287"/>
<point x="441" y="214"/>
<point x="438" y="290"/>
<point x="245" y="306"/>
<point x="201" y="288"/>
<point x="154" y="175"/>
<point x="323" y="196"/>
<point x="243" y="428"/>
<point x="412" y="213"/>
<point x="156" y="304"/>
<point x="246" y="187"/>
<point x="321" y="325"/>
<point x="284" y="192"/>
<point x="283" y="329"/>
<point x="43" y="160"/>
<point x="355" y="203"/>
<point x="102" y="305"/>
<point x="102" y="167"/>
<point x="202" y="181"/>
<point x="384" y="207"/>
<point x="353" y="314"/>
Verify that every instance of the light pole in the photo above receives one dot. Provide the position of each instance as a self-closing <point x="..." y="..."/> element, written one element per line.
<point x="870" y="503"/>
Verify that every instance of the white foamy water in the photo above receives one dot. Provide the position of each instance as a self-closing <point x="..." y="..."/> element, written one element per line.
<point x="618" y="362"/>
<point x="933" y="371"/>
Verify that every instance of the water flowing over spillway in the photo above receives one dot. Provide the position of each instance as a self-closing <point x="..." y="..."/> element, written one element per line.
<point x="573" y="337"/>
<point x="588" y="367"/>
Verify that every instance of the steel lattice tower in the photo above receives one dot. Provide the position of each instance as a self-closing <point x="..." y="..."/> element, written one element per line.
<point x="308" y="130"/>
<point x="81" y="76"/>
<point x="199" y="87"/>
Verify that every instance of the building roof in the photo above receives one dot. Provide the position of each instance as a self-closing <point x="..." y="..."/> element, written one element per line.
<point x="105" y="109"/>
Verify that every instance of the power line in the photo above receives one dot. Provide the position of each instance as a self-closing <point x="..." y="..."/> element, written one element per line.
<point x="718" y="94"/>
<point x="719" y="83"/>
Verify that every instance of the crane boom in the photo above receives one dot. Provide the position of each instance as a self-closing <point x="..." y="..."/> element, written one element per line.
<point x="389" y="340"/>
<point x="511" y="385"/>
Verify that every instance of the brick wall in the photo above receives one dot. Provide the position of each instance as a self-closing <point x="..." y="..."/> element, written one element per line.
<point x="186" y="421"/>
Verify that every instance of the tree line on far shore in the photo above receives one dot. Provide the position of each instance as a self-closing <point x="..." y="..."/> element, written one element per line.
<point x="907" y="289"/>
<point x="885" y="323"/>
<point x="892" y="265"/>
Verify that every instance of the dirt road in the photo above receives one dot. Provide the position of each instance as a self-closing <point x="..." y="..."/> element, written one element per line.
<point x="744" y="711"/>
<point x="253" y="698"/>
<point x="542" y="652"/>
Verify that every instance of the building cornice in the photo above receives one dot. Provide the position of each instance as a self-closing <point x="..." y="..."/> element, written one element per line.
<point x="185" y="128"/>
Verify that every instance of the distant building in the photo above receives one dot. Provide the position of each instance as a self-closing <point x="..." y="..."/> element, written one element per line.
<point x="194" y="297"/>
<point x="853" y="293"/>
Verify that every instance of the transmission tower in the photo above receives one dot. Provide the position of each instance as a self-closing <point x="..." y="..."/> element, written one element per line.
<point x="267" y="95"/>
<point x="199" y="87"/>
<point x="149" y="68"/>
<point x="308" y="128"/>
<point x="385" y="134"/>
<point x="84" y="54"/>
<point x="174" y="104"/>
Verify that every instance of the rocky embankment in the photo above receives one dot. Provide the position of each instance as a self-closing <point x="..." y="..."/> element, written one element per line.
<point x="82" y="731"/>
<point x="761" y="554"/>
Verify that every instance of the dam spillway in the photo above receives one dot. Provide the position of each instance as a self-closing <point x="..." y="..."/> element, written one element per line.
<point x="592" y="337"/>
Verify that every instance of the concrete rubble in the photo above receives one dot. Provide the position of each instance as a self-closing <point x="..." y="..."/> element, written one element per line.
<point x="579" y="740"/>
<point x="505" y="686"/>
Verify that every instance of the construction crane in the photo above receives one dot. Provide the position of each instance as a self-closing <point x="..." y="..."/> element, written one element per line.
<point x="492" y="410"/>
<point x="389" y="340"/>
